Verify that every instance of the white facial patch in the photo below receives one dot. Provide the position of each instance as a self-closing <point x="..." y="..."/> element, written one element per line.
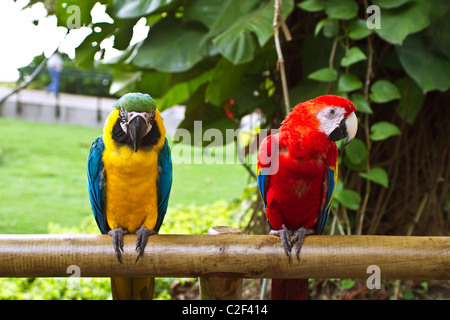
<point x="330" y="118"/>
<point x="126" y="118"/>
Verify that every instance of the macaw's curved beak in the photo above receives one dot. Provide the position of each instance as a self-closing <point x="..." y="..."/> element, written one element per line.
<point x="137" y="129"/>
<point x="346" y="129"/>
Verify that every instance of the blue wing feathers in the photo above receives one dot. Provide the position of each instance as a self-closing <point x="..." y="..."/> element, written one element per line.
<point x="96" y="183"/>
<point x="331" y="187"/>
<point x="323" y="216"/>
<point x="262" y="185"/>
<point x="164" y="182"/>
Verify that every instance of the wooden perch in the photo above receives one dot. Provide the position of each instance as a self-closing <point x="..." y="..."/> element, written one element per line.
<point x="230" y="255"/>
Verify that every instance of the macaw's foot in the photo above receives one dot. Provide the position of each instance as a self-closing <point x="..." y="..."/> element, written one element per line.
<point x="117" y="235"/>
<point x="142" y="237"/>
<point x="285" y="235"/>
<point x="299" y="236"/>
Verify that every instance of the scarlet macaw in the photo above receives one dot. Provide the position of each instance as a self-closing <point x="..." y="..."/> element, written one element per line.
<point x="297" y="171"/>
<point x="129" y="174"/>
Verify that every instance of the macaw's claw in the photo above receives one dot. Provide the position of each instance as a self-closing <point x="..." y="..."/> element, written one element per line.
<point x="299" y="236"/>
<point x="285" y="235"/>
<point x="142" y="237"/>
<point x="117" y="235"/>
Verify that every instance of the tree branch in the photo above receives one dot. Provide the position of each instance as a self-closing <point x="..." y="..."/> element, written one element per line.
<point x="278" y="18"/>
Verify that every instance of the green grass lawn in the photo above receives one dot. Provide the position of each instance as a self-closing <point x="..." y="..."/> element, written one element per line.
<point x="43" y="177"/>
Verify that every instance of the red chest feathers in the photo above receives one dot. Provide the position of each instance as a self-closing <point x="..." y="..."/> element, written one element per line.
<point x="295" y="192"/>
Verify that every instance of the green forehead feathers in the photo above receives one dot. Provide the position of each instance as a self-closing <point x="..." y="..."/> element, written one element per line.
<point x="138" y="102"/>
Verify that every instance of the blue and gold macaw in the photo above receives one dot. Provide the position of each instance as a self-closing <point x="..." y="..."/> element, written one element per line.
<point x="129" y="174"/>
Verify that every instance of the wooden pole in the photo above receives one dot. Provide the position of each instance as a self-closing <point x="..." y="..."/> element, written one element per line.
<point x="244" y="256"/>
<point x="221" y="286"/>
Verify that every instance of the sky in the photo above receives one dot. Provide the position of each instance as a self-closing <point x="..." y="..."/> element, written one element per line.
<point x="21" y="40"/>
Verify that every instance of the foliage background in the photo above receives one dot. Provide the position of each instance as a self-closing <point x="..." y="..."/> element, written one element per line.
<point x="218" y="58"/>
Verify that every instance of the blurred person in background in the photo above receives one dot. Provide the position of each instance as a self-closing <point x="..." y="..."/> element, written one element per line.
<point x="55" y="65"/>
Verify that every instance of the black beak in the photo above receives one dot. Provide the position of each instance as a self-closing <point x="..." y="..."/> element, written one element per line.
<point x="339" y="133"/>
<point x="346" y="129"/>
<point x="137" y="129"/>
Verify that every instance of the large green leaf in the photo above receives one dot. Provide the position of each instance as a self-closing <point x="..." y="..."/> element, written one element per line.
<point x="236" y="46"/>
<point x="324" y="74"/>
<point x="74" y="14"/>
<point x="135" y="9"/>
<point x="383" y="130"/>
<point x="204" y="11"/>
<point x="348" y="198"/>
<point x="360" y="103"/>
<point x="225" y="80"/>
<point x="439" y="31"/>
<point x="384" y="91"/>
<point x="355" y="154"/>
<point x="352" y="56"/>
<point x="341" y="9"/>
<point x="357" y="29"/>
<point x="423" y="62"/>
<point x="377" y="175"/>
<point x="398" y="23"/>
<point x="330" y="27"/>
<point x="389" y="4"/>
<point x="155" y="83"/>
<point x="237" y="43"/>
<point x="182" y="91"/>
<point x="85" y="52"/>
<point x="171" y="46"/>
<point x="312" y="5"/>
<point x="231" y="11"/>
<point x="349" y="82"/>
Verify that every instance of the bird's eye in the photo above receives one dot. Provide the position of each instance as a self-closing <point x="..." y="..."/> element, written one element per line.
<point x="151" y="117"/>
<point x="331" y="112"/>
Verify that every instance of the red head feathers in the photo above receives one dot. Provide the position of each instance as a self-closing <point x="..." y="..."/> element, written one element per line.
<point x="325" y="113"/>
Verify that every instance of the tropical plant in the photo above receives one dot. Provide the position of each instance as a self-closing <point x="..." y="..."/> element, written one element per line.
<point x="219" y="58"/>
